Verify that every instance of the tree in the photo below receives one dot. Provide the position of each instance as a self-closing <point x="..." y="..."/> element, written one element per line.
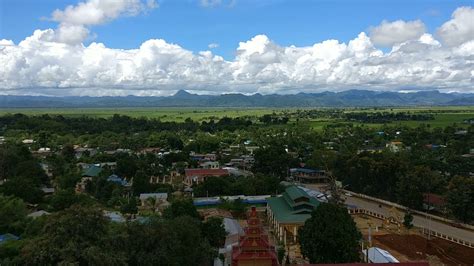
<point x="213" y="229"/>
<point x="67" y="152"/>
<point x="177" y="241"/>
<point x="272" y="160"/>
<point x="130" y="207"/>
<point x="408" y="220"/>
<point x="63" y="199"/>
<point x="22" y="188"/>
<point x="12" y="214"/>
<point x="181" y="207"/>
<point x="330" y="236"/>
<point x="460" y="198"/>
<point x="72" y="236"/>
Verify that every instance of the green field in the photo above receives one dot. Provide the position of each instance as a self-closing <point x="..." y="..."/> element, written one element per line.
<point x="444" y="116"/>
<point x="177" y="114"/>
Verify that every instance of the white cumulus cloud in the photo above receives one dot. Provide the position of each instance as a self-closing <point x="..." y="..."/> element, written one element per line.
<point x="390" y="33"/>
<point x="75" y="19"/>
<point x="44" y="64"/>
<point x="460" y="28"/>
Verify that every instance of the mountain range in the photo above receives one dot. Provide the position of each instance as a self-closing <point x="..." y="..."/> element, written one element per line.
<point x="350" y="98"/>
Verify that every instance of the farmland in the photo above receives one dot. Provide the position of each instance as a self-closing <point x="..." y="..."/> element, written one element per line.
<point x="443" y="116"/>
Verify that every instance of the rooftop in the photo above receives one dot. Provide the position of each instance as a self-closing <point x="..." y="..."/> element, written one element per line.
<point x="92" y="171"/>
<point x="205" y="172"/>
<point x="293" y="206"/>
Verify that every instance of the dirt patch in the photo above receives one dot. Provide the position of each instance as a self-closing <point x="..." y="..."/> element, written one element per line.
<point x="416" y="247"/>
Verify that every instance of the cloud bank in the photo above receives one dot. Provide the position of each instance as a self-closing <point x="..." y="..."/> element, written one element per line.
<point x="56" y="62"/>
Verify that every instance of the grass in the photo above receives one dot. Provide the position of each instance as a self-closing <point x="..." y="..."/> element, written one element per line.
<point x="177" y="114"/>
<point x="444" y="116"/>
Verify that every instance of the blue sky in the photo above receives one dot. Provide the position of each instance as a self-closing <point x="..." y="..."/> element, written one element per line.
<point x="156" y="47"/>
<point x="193" y="26"/>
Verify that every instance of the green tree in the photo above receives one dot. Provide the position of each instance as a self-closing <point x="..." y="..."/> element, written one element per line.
<point x="273" y="160"/>
<point x="181" y="207"/>
<point x="330" y="236"/>
<point x="12" y="214"/>
<point x="460" y="198"/>
<point x="72" y="236"/>
<point x="408" y="220"/>
<point x="63" y="199"/>
<point x="213" y="229"/>
<point x="22" y="188"/>
<point x="130" y="207"/>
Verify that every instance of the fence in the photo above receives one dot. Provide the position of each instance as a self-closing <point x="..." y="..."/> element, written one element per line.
<point x="423" y="230"/>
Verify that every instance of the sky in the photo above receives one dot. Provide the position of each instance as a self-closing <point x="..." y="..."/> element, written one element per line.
<point x="153" y="47"/>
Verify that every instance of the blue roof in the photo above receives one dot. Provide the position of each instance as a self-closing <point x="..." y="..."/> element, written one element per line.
<point x="116" y="179"/>
<point x="8" y="237"/>
<point x="305" y="170"/>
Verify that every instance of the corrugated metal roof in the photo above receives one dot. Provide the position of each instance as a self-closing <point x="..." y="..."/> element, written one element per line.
<point x="378" y="255"/>
<point x="284" y="207"/>
<point x="92" y="171"/>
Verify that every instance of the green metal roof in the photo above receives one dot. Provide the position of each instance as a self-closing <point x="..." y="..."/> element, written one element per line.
<point x="92" y="171"/>
<point x="287" y="211"/>
<point x="295" y="193"/>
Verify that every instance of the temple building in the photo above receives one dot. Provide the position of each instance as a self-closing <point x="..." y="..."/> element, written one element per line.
<point x="254" y="247"/>
<point x="288" y="212"/>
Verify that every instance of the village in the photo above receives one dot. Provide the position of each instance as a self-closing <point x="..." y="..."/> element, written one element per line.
<point x="271" y="219"/>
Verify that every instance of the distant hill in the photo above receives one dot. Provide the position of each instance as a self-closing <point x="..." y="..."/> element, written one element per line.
<point x="350" y="98"/>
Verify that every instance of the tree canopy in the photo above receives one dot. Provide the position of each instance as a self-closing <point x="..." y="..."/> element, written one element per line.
<point x="330" y="236"/>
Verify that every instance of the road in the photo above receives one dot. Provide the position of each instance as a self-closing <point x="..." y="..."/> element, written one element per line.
<point x="418" y="220"/>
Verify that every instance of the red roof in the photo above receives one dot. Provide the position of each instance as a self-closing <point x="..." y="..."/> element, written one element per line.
<point x="205" y="172"/>
<point x="254" y="247"/>
<point x="433" y="199"/>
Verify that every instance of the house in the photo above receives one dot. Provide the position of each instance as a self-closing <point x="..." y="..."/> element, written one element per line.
<point x="48" y="190"/>
<point x="88" y="174"/>
<point x="308" y="175"/>
<point x="37" y="214"/>
<point x="196" y="157"/>
<point x="288" y="212"/>
<point x="92" y="171"/>
<point x="8" y="237"/>
<point x="196" y="176"/>
<point x="82" y="184"/>
<point x="149" y="150"/>
<point x="115" y="216"/>
<point x="434" y="202"/>
<point x="47" y="169"/>
<point x="158" y="200"/>
<point x="378" y="255"/>
<point x="394" y="146"/>
<point x="209" y="165"/>
<point x="461" y="132"/>
<point x="27" y="141"/>
<point x="80" y="151"/>
<point x="370" y="150"/>
<point x="210" y="157"/>
<point x="165" y="179"/>
<point x="118" y="180"/>
<point x="108" y="165"/>
<point x="251" y="149"/>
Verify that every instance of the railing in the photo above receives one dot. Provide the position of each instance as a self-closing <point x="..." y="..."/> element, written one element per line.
<point x="398" y="206"/>
<point x="423" y="230"/>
